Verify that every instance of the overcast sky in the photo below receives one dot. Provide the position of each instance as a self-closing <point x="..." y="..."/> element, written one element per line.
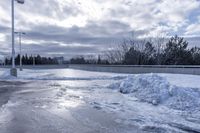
<point x="78" y="27"/>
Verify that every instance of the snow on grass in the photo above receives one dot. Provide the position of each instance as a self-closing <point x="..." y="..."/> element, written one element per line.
<point x="58" y="74"/>
<point x="182" y="80"/>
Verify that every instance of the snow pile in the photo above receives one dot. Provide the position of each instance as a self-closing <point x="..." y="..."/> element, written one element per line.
<point x="154" y="89"/>
<point x="148" y="88"/>
<point x="184" y="99"/>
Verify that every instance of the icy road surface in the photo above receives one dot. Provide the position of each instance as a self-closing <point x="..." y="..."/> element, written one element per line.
<point x="75" y="101"/>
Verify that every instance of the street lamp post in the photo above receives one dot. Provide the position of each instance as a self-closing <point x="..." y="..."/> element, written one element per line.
<point x="33" y="59"/>
<point x="20" y="47"/>
<point x="13" y="70"/>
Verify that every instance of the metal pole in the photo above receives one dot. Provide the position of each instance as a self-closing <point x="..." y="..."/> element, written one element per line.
<point x="33" y="60"/>
<point x="13" y="69"/>
<point x="20" y="49"/>
<point x="13" y="37"/>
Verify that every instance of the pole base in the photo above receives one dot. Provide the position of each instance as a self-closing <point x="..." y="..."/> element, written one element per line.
<point x="13" y="72"/>
<point x="20" y="69"/>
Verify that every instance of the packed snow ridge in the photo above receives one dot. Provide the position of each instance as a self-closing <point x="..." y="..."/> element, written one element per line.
<point x="155" y="89"/>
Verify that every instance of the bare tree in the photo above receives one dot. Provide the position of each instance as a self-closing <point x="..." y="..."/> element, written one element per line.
<point x="116" y="54"/>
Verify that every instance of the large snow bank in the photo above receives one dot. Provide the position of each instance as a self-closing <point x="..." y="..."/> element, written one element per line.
<point x="155" y="89"/>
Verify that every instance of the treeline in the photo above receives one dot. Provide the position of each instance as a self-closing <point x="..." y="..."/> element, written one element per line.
<point x="30" y="60"/>
<point x="156" y="51"/>
<point x="91" y="60"/>
<point x="174" y="51"/>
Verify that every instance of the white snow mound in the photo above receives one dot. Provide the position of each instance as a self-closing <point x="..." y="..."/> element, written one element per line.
<point x="149" y="88"/>
<point x="155" y="89"/>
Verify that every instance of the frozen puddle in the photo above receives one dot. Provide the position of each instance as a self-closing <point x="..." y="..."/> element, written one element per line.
<point x="54" y="110"/>
<point x="5" y="113"/>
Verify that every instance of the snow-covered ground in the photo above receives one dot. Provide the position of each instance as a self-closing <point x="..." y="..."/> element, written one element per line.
<point x="67" y="100"/>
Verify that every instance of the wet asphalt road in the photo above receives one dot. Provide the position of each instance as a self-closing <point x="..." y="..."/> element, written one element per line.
<point x="34" y="107"/>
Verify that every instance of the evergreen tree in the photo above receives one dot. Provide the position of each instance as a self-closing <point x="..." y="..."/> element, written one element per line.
<point x="176" y="52"/>
<point x="99" y="60"/>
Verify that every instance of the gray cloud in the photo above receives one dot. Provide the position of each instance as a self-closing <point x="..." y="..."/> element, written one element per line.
<point x="70" y="27"/>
